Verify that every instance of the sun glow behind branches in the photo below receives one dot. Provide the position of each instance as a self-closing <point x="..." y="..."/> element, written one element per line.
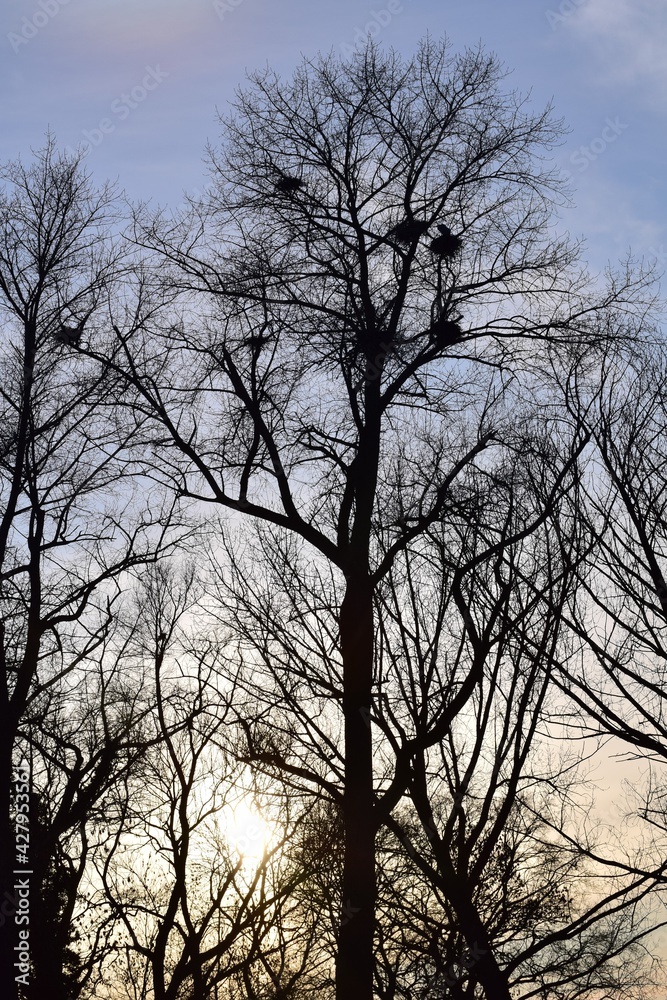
<point x="247" y="832"/>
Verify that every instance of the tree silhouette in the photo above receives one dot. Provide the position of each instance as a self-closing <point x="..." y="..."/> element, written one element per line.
<point x="396" y="370"/>
<point x="68" y="530"/>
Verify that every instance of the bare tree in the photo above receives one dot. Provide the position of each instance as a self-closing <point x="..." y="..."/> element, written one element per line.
<point x="619" y="512"/>
<point x="505" y="834"/>
<point x="83" y="734"/>
<point x="362" y="296"/>
<point x="486" y="867"/>
<point x="195" y="905"/>
<point x="69" y="528"/>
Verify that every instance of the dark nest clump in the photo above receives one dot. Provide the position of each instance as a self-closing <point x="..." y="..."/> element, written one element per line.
<point x="287" y="184"/>
<point x="446" y="245"/>
<point x="445" y="332"/>
<point x="408" y="230"/>
<point x="68" y="335"/>
<point x="258" y="340"/>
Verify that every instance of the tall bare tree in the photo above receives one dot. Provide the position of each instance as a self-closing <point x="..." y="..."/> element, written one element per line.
<point x="505" y="836"/>
<point x="481" y="878"/>
<point x="69" y="526"/>
<point x="362" y="299"/>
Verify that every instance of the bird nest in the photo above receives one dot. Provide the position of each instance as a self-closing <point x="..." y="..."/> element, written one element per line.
<point x="446" y="245"/>
<point x="69" y="336"/>
<point x="287" y="184"/>
<point x="408" y="230"/>
<point x="445" y="332"/>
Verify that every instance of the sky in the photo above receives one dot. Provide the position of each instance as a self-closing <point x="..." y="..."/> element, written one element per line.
<point x="141" y="82"/>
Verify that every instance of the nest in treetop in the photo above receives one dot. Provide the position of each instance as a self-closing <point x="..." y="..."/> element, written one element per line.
<point x="68" y="335"/>
<point x="445" y="332"/>
<point x="287" y="184"/>
<point x="258" y="339"/>
<point x="408" y="230"/>
<point x="446" y="245"/>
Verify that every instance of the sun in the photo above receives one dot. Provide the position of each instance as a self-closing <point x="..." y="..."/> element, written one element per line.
<point x="248" y="833"/>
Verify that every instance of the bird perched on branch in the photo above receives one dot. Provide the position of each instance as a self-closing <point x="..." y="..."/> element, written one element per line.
<point x="447" y="244"/>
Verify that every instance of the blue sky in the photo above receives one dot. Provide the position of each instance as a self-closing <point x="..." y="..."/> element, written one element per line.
<point x="143" y="78"/>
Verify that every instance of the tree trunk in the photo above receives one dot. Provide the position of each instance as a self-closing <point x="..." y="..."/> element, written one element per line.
<point x="354" y="967"/>
<point x="481" y="962"/>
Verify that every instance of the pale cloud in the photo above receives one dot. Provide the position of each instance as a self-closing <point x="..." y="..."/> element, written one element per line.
<point x="628" y="43"/>
<point x="607" y="215"/>
<point x="121" y="27"/>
